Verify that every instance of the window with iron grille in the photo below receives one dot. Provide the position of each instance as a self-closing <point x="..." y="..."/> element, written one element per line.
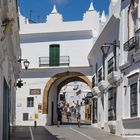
<point x="133" y="100"/>
<point x="112" y="103"/>
<point x="54" y="55"/>
<point x="100" y="75"/>
<point x="30" y="101"/>
<point x="94" y="117"/>
<point x="25" y="116"/>
<point x="93" y="81"/>
<point x="110" y="65"/>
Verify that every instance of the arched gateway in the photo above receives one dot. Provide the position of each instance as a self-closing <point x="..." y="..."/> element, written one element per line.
<point x="53" y="87"/>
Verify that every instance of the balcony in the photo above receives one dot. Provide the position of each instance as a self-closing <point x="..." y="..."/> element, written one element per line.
<point x="63" y="61"/>
<point x="137" y="55"/>
<point x="113" y="77"/>
<point x="131" y="43"/>
<point x="102" y="85"/>
<point x="95" y="90"/>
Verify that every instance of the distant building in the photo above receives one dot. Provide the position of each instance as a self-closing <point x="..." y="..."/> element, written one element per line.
<point x="75" y="93"/>
<point x="9" y="66"/>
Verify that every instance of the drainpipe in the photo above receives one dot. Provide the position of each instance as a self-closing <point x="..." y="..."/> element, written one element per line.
<point x="128" y="22"/>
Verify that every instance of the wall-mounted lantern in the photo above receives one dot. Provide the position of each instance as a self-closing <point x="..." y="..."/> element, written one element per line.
<point x="105" y="48"/>
<point x="25" y="62"/>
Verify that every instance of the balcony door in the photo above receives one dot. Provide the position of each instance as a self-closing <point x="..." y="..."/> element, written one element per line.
<point x="54" y="55"/>
<point x="94" y="113"/>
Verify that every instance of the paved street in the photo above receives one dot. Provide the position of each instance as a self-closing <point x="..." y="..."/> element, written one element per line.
<point x="64" y="132"/>
<point x="31" y="133"/>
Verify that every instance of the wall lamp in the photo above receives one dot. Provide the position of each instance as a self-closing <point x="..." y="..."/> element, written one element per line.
<point x="25" y="62"/>
<point x="105" y="48"/>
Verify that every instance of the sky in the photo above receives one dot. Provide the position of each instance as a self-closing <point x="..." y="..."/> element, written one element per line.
<point x="70" y="9"/>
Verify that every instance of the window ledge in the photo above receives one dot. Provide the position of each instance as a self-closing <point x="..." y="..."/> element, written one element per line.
<point x="124" y="66"/>
<point x="131" y="125"/>
<point x="132" y="119"/>
<point x="137" y="55"/>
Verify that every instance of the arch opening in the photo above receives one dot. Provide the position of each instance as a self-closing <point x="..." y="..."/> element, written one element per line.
<point x="53" y="88"/>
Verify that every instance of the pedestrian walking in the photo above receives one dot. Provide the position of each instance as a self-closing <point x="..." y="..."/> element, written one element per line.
<point x="68" y="116"/>
<point x="59" y="118"/>
<point x="78" y="118"/>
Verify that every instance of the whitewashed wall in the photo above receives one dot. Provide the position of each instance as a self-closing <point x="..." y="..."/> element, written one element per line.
<point x="21" y="102"/>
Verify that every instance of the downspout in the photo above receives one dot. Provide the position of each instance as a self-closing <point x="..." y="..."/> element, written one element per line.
<point x="128" y="21"/>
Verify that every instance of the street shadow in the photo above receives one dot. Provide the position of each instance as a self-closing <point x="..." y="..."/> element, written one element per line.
<point x="41" y="133"/>
<point x="74" y="123"/>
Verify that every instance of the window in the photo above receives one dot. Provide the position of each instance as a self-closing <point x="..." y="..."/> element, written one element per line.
<point x="93" y="81"/>
<point x="133" y="100"/>
<point x="54" y="55"/>
<point x="25" y="116"/>
<point x="100" y="75"/>
<point x="94" y="118"/>
<point x="110" y="65"/>
<point x="30" y="102"/>
<point x="112" y="103"/>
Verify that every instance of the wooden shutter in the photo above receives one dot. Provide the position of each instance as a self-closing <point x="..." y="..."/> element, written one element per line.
<point x="54" y="55"/>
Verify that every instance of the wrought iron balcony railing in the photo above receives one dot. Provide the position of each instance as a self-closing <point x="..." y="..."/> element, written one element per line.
<point x="130" y="44"/>
<point x="63" y="61"/>
<point x="133" y="42"/>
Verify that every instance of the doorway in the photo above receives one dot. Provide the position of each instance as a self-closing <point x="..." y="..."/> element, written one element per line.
<point x="52" y="122"/>
<point x="6" y="123"/>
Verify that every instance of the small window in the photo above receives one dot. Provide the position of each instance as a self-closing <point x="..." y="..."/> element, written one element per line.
<point x="25" y="116"/>
<point x="30" y="102"/>
<point x="93" y="81"/>
<point x="133" y="100"/>
<point x="112" y="103"/>
<point x="100" y="75"/>
<point x="94" y="119"/>
<point x="110" y="65"/>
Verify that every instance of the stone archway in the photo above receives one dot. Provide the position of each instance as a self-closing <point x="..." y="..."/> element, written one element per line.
<point x="69" y="77"/>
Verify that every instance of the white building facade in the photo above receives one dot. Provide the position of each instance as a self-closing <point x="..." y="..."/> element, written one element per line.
<point x="69" y="43"/>
<point x="117" y="72"/>
<point x="9" y="66"/>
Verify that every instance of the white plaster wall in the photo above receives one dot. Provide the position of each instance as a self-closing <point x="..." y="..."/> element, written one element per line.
<point x="13" y="105"/>
<point x="52" y="98"/>
<point x="77" y="51"/>
<point x="123" y="36"/>
<point x="114" y="7"/>
<point x="21" y="98"/>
